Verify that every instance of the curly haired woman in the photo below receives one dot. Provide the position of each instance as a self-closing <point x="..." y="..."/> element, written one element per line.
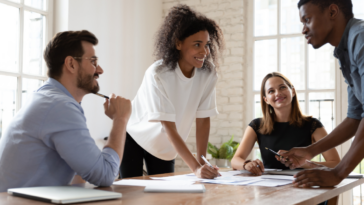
<point x="176" y="89"/>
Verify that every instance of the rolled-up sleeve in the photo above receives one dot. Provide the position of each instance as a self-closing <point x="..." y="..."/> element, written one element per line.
<point x="355" y="109"/>
<point x="69" y="136"/>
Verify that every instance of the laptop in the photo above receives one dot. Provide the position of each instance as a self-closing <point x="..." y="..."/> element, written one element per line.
<point x="63" y="194"/>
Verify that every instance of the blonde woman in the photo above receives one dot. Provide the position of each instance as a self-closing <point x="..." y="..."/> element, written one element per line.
<point x="282" y="127"/>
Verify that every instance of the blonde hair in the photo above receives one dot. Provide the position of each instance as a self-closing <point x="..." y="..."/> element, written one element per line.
<point x="296" y="117"/>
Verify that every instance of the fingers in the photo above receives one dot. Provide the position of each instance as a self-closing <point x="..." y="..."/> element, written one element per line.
<point x="261" y="165"/>
<point x="106" y="104"/>
<point x="254" y="168"/>
<point x="284" y="153"/>
<point x="207" y="172"/>
<point x="307" y="178"/>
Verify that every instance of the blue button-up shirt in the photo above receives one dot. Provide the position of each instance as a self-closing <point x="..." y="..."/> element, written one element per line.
<point x="48" y="141"/>
<point x="350" y="53"/>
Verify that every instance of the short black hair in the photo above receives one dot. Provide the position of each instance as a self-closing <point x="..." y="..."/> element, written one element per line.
<point x="346" y="6"/>
<point x="63" y="44"/>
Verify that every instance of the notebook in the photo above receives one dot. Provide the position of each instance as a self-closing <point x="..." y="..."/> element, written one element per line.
<point x="63" y="194"/>
<point x="194" y="188"/>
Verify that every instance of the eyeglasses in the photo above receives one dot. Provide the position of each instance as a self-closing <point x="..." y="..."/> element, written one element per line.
<point x="92" y="59"/>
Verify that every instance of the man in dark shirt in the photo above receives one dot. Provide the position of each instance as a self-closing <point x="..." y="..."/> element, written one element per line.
<point x="332" y="21"/>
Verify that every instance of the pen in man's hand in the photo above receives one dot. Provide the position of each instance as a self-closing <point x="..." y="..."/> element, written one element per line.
<point x="208" y="163"/>
<point x="276" y="153"/>
<point x="101" y="95"/>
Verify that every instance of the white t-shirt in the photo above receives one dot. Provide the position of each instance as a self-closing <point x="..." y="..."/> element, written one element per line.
<point x="167" y="95"/>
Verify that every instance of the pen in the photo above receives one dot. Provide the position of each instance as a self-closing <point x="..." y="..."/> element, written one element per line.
<point x="101" y="95"/>
<point x="207" y="162"/>
<point x="274" y="153"/>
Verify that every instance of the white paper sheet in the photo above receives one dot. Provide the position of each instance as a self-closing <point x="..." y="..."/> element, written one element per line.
<point x="271" y="182"/>
<point x="137" y="182"/>
<point x="196" y="188"/>
<point x="282" y="177"/>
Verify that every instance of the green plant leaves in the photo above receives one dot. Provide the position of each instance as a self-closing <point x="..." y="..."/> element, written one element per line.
<point x="212" y="149"/>
<point x="225" y="151"/>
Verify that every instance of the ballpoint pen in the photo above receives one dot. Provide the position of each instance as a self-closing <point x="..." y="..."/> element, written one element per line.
<point x="101" y="95"/>
<point x="275" y="153"/>
<point x="207" y="162"/>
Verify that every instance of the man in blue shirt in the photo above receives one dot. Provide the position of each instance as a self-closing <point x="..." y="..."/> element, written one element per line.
<point x="48" y="141"/>
<point x="332" y="21"/>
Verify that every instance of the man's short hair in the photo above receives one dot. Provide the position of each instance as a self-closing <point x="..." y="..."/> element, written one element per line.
<point x="346" y="6"/>
<point x="65" y="44"/>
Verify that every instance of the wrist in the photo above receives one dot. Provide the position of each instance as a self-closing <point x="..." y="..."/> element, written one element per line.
<point x="312" y="151"/>
<point x="120" y="120"/>
<point x="245" y="163"/>
<point x="340" y="173"/>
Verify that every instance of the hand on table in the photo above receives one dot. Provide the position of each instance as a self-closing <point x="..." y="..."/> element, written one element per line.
<point x="206" y="172"/>
<point x="321" y="176"/>
<point x="294" y="158"/>
<point x="256" y="167"/>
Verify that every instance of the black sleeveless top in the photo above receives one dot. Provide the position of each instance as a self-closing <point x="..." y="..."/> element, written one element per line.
<point x="283" y="137"/>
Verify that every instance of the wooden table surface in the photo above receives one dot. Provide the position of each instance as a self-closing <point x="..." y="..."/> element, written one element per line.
<point x="215" y="194"/>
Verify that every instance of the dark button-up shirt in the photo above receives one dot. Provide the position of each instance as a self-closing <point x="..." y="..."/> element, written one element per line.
<point x="350" y="54"/>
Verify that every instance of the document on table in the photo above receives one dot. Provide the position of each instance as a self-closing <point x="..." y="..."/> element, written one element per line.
<point x="271" y="182"/>
<point x="282" y="177"/>
<point x="229" y="178"/>
<point x="195" y="188"/>
<point x="137" y="182"/>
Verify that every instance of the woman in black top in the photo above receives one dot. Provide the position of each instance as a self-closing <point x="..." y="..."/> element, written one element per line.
<point x="282" y="127"/>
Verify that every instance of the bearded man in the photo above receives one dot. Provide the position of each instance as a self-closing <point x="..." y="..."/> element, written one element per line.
<point x="48" y="141"/>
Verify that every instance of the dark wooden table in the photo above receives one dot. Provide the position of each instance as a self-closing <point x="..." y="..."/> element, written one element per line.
<point x="215" y="194"/>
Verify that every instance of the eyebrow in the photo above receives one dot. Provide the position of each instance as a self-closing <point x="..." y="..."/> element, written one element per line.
<point x="303" y="17"/>
<point x="198" y="41"/>
<point x="278" y="85"/>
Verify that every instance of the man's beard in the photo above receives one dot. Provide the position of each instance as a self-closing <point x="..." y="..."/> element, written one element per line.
<point x="86" y="82"/>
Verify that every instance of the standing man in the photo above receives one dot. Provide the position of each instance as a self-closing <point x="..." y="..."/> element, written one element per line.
<point x="48" y="141"/>
<point x="331" y="21"/>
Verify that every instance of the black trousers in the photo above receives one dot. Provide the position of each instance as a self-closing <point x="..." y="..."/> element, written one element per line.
<point x="132" y="163"/>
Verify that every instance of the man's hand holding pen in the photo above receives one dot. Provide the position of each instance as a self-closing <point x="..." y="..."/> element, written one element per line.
<point x="294" y="158"/>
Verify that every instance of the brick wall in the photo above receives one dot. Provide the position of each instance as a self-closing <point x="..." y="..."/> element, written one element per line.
<point x="229" y="14"/>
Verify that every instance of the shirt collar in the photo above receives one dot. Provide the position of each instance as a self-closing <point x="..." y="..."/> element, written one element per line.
<point x="58" y="85"/>
<point x="182" y="76"/>
<point x="343" y="45"/>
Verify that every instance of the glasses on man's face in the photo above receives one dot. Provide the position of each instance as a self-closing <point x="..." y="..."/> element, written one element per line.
<point x="92" y="59"/>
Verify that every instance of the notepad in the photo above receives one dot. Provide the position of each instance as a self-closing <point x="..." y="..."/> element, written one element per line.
<point x="196" y="188"/>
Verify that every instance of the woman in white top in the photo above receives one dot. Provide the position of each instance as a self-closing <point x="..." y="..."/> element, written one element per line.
<point x="176" y="90"/>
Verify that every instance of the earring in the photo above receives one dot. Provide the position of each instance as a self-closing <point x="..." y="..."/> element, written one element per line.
<point x="270" y="110"/>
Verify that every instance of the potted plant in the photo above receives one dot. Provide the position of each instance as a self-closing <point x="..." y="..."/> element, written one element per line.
<point x="225" y="153"/>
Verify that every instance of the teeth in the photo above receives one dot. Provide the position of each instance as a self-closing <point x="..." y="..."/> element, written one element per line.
<point x="199" y="59"/>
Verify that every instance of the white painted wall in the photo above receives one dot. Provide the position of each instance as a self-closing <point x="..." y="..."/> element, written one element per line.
<point x="126" y="31"/>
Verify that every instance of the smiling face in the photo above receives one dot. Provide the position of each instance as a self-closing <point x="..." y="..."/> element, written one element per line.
<point x="317" y="24"/>
<point x="278" y="94"/>
<point x="89" y="70"/>
<point x="194" y="50"/>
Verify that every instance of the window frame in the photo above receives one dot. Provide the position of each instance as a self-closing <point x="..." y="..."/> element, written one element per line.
<point x="48" y="13"/>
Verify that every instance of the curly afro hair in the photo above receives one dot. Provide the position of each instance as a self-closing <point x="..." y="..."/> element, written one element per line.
<point x="180" y="23"/>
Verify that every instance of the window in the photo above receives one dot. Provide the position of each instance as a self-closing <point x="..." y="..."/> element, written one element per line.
<point x="28" y="28"/>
